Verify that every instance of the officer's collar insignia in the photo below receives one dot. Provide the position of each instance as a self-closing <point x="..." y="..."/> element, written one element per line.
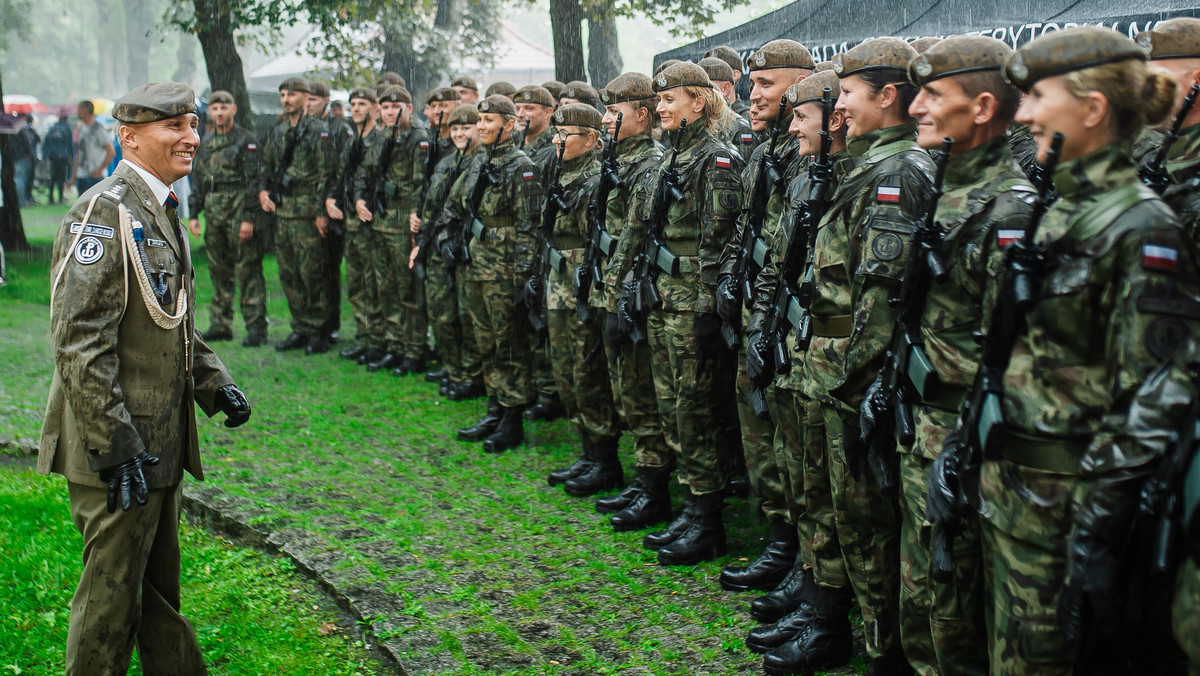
<point x="116" y="190"/>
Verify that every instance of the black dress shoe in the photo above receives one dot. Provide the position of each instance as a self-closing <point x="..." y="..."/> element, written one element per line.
<point x="254" y="339"/>
<point x="384" y="363"/>
<point x="544" y="412"/>
<point x="214" y="334"/>
<point x="293" y="342"/>
<point x="369" y="355"/>
<point x="317" y="344"/>
<point x="435" y="376"/>
<point x="352" y="353"/>
<point x="769" y="569"/>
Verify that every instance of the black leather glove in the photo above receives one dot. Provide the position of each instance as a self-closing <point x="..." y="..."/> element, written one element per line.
<point x="757" y="369"/>
<point x="707" y="326"/>
<point x="233" y="404"/>
<point x="729" y="302"/>
<point x="529" y="293"/>
<point x="579" y="279"/>
<point x="943" y="499"/>
<point x="127" y="482"/>
<point x="1091" y="597"/>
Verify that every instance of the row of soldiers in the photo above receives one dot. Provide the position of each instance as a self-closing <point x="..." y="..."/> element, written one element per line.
<point x="954" y="290"/>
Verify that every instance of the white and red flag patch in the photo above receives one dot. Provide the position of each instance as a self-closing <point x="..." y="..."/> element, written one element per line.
<point x="723" y="162"/>
<point x="1159" y="257"/>
<point x="528" y="176"/>
<point x="1005" y="236"/>
<point x="747" y="138"/>
<point x="887" y="193"/>
<point x="424" y="145"/>
<point x="252" y="146"/>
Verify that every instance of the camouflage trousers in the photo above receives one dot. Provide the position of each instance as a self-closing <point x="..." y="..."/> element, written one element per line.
<point x="632" y="383"/>
<point x="301" y="252"/>
<point x="398" y="313"/>
<point x="360" y="282"/>
<point x="233" y="265"/>
<point x="758" y="444"/>
<point x="687" y="398"/>
<point x="502" y="338"/>
<point x="470" y="359"/>
<point x="868" y="529"/>
<point x="1185" y="613"/>
<point x="544" y="388"/>
<point x="441" y="309"/>
<point x="335" y="249"/>
<point x="581" y="376"/>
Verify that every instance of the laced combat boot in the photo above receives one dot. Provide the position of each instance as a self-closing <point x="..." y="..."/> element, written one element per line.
<point x="581" y="465"/>
<point x="509" y="434"/>
<point x="769" y="569"/>
<point x="650" y="503"/>
<point x="604" y="474"/>
<point x="771" y="636"/>
<point x="825" y="642"/>
<point x="486" y="425"/>
<point x="783" y="599"/>
<point x="704" y="539"/>
<point x="661" y="538"/>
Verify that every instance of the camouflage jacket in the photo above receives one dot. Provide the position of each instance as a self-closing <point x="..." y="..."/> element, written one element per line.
<point x="307" y="177"/>
<point x="227" y="163"/>
<point x="345" y="170"/>
<point x="786" y="152"/>
<point x="637" y="157"/>
<point x="341" y="133"/>
<point x="580" y="178"/>
<point x="541" y="150"/>
<point x="1147" y="143"/>
<point x="402" y="180"/>
<point x="433" y="218"/>
<point x="1118" y="296"/>
<point x="1023" y="148"/>
<point x="739" y="134"/>
<point x="741" y="107"/>
<point x="1183" y="195"/>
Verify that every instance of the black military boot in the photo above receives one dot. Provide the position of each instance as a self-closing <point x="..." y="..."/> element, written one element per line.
<point x="544" y="412"/>
<point x="771" y="566"/>
<point x="611" y="504"/>
<point x="317" y="344"/>
<point x="466" y="391"/>
<point x="825" y="642"/>
<point x="214" y="334"/>
<point x="562" y="476"/>
<point x="771" y="636"/>
<point x="255" y="339"/>
<point x="488" y="424"/>
<point x="369" y="355"/>
<point x="435" y="376"/>
<point x="294" y="341"/>
<point x="651" y="503"/>
<point x="661" y="538"/>
<point x="408" y="365"/>
<point x="604" y="475"/>
<point x="387" y="361"/>
<point x="704" y="540"/>
<point x="444" y="386"/>
<point x="352" y="353"/>
<point x="783" y="599"/>
<point x="510" y="433"/>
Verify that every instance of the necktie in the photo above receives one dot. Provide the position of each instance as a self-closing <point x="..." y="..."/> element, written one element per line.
<point x="172" y="200"/>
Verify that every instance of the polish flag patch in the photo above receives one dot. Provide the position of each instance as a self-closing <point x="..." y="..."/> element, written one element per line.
<point x="424" y="145"/>
<point x="723" y="162"/>
<point x="1005" y="237"/>
<point x="252" y="146"/>
<point x="528" y="176"/>
<point x="1159" y="257"/>
<point x="747" y="138"/>
<point x="887" y="193"/>
<point x="324" y="134"/>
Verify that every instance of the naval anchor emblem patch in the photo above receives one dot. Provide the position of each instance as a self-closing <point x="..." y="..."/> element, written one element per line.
<point x="89" y="250"/>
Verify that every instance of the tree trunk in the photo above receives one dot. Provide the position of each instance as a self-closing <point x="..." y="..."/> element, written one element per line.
<point x="449" y="14"/>
<point x="565" y="20"/>
<point x="185" y="72"/>
<point x="138" y="24"/>
<point x="604" y="55"/>
<point x="221" y="59"/>
<point x="12" y="229"/>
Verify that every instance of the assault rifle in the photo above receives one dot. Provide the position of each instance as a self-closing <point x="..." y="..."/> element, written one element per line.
<point x="472" y="227"/>
<point x="519" y="141"/>
<point x="431" y="160"/>
<point x="656" y="258"/>
<point x="344" y="198"/>
<point x="379" y="189"/>
<point x="281" y="183"/>
<point x="1154" y="174"/>
<point x="449" y="262"/>
<point x="588" y="273"/>
<point x="549" y="257"/>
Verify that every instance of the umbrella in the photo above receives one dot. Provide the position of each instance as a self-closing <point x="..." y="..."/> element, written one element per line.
<point x="103" y="105"/>
<point x="20" y="104"/>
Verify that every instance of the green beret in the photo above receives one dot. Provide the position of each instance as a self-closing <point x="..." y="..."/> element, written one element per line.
<point x="1068" y="50"/>
<point x="877" y="54"/>
<point x="394" y="94"/>
<point x="922" y="45"/>
<point x="465" y="82"/>
<point x="682" y="74"/>
<point x="667" y="64"/>
<point x="726" y="54"/>
<point x="390" y="78"/>
<point x="781" y="54"/>
<point x="463" y="113"/>
<point x="498" y="104"/>
<point x="318" y="88"/>
<point x="502" y="88"/>
<point x="812" y="88"/>
<point x="155" y="101"/>
<point x="442" y="94"/>
<point x="957" y="55"/>
<point x="1172" y="39"/>
<point x="220" y="96"/>
<point x="578" y="115"/>
<point x="364" y="93"/>
<point x="823" y="66"/>
<point x="716" y="69"/>
<point x="295" y="84"/>
<point x="534" y="94"/>
<point x="578" y="89"/>
<point x="555" y="88"/>
<point x="627" y="87"/>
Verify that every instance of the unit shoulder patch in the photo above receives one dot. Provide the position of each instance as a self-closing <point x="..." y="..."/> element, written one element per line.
<point x="89" y="250"/>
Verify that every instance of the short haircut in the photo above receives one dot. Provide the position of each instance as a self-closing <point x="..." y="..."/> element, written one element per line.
<point x="88" y="106"/>
<point x="1008" y="99"/>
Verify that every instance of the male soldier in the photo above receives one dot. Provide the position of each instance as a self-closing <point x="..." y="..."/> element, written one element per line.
<point x="120" y="424"/>
<point x="557" y="90"/>
<point x="729" y="56"/>
<point x="389" y="78"/>
<point x="337" y="110"/>
<point x="223" y="186"/>
<point x="502" y="88"/>
<point x="341" y="133"/>
<point x="774" y="68"/>
<point x="737" y="129"/>
<point x="501" y="244"/>
<point x="439" y="103"/>
<point x="467" y="88"/>
<point x="296" y="169"/>
<point x="578" y="91"/>
<point x="387" y="186"/>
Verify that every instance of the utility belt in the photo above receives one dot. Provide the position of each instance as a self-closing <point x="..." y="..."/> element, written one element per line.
<point x="834" y="326"/>
<point x="496" y="225"/>
<point x="1052" y="455"/>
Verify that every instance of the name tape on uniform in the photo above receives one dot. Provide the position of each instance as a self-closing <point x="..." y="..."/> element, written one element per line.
<point x="93" y="229"/>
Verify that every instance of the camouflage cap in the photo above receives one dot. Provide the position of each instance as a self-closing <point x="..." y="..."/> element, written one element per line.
<point x="394" y="94"/>
<point x="318" y="88"/>
<point x="390" y="78"/>
<point x="1068" y="50"/>
<point x="812" y="88"/>
<point x="957" y="55"/>
<point x="364" y="93"/>
<point x="922" y="45"/>
<point x="682" y="74"/>
<point x="823" y="66"/>
<point x="555" y="88"/>
<point x="667" y="64"/>
<point x="716" y="69"/>
<point x="442" y="94"/>
<point x="578" y="115"/>
<point x="502" y="88"/>
<point x="781" y="54"/>
<point x="466" y="82"/>
<point x="1172" y="39"/>
<point x="627" y="87"/>
<point x="220" y="96"/>
<point x="464" y="113"/>
<point x="728" y="55"/>
<point x="876" y="54"/>
<point x="155" y="101"/>
<point x="295" y="84"/>
<point x="578" y="89"/>
<point x="534" y="94"/>
<point x="498" y="104"/>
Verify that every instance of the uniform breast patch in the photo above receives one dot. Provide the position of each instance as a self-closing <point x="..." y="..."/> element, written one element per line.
<point x="159" y="243"/>
<point x="93" y="229"/>
<point x="89" y="250"/>
<point x="1164" y="336"/>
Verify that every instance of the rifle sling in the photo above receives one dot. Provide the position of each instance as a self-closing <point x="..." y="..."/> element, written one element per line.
<point x="1092" y="220"/>
<point x="1051" y="455"/>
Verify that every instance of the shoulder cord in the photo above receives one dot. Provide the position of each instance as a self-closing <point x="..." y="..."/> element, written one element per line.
<point x="164" y="320"/>
<point x="87" y="216"/>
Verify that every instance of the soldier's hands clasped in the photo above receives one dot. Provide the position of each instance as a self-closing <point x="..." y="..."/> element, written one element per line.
<point x="729" y="306"/>
<point x="127" y="483"/>
<point x="233" y="404"/>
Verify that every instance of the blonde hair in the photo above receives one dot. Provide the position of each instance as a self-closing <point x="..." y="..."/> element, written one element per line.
<point x="1137" y="95"/>
<point x="714" y="102"/>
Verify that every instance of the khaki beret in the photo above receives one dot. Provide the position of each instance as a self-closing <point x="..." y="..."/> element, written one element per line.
<point x="923" y="44"/>
<point x="465" y="82"/>
<point x="627" y="87"/>
<point x="390" y="78"/>
<point x="1172" y="39"/>
<point x="1068" y="50"/>
<point x="823" y="66"/>
<point x="578" y="115"/>
<point x="534" y="94"/>
<point x="667" y="64"/>
<point x="716" y="69"/>
<point x="682" y="74"/>
<point x="578" y="89"/>
<point x="502" y="88"/>
<point x="442" y="94"/>
<point x="876" y="54"/>
<point x="394" y="94"/>
<point x="498" y="104"/>
<point x="155" y="101"/>
<point x="464" y="113"/>
<point x="957" y="55"/>
<point x="318" y="88"/>
<point x="295" y="84"/>
<point x="364" y="93"/>
<point x="220" y="96"/>
<point x="781" y="54"/>
<point x="726" y="54"/>
<point x="812" y="88"/>
<point x="555" y="88"/>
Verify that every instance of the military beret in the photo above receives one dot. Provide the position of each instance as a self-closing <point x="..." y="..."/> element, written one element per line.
<point x="716" y="69"/>
<point x="394" y="94"/>
<point x="364" y="93"/>
<point x="318" y="88"/>
<point x="295" y="84"/>
<point x="390" y="78"/>
<point x="876" y="54"/>
<point x="627" y="87"/>
<point x="534" y="94"/>
<point x="464" y="113"/>
<point x="823" y="66"/>
<point x="667" y="64"/>
<point x="220" y="96"/>
<point x="465" y="82"/>
<point x="442" y="94"/>
<point x="726" y="54"/>
<point x="922" y="45"/>
<point x="1068" y="50"/>
<point x="498" y="104"/>
<point x="578" y="89"/>
<point x="780" y="54"/>
<point x="812" y="88"/>
<point x="578" y="115"/>
<point x="1172" y="39"/>
<point x="682" y="74"/>
<point x="555" y="88"/>
<point x="957" y="55"/>
<point x="155" y="101"/>
<point x="502" y="88"/>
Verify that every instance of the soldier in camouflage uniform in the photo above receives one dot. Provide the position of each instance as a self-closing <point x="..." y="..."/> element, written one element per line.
<point x="985" y="198"/>
<point x="467" y="89"/>
<point x="737" y="129"/>
<point x="502" y="248"/>
<point x="341" y="134"/>
<point x="396" y="311"/>
<point x="223" y="179"/>
<point x="731" y="57"/>
<point x="300" y="221"/>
